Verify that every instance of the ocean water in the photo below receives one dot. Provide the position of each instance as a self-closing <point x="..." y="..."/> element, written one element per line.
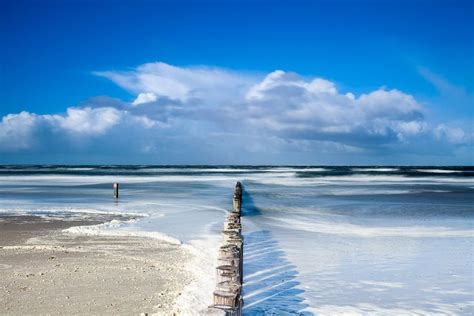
<point x="318" y="240"/>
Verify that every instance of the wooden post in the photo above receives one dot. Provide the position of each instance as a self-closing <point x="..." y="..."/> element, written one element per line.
<point x="229" y="273"/>
<point x="116" y="190"/>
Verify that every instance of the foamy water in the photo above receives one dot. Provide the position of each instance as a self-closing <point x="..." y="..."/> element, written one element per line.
<point x="322" y="240"/>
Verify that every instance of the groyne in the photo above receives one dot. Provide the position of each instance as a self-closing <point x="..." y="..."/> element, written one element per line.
<point x="229" y="270"/>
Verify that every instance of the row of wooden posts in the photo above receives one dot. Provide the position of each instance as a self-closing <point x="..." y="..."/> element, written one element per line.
<point x="229" y="279"/>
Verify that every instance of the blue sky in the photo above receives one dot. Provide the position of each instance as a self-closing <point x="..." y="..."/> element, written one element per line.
<point x="59" y="56"/>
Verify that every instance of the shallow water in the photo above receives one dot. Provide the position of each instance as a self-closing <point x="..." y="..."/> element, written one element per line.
<point x="322" y="240"/>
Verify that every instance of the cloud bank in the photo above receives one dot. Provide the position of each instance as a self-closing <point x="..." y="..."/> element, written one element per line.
<point x="212" y="115"/>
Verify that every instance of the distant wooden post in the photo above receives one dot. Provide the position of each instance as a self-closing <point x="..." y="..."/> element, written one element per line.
<point x="116" y="190"/>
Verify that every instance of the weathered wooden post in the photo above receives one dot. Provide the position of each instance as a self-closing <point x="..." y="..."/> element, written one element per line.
<point x="116" y="190"/>
<point x="237" y="200"/>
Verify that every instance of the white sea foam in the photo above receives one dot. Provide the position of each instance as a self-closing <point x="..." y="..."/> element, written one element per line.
<point x="383" y="284"/>
<point x="283" y="177"/>
<point x="358" y="179"/>
<point x="376" y="169"/>
<point x="65" y="212"/>
<point x="54" y="180"/>
<point x="197" y="295"/>
<point x="438" y="170"/>
<point x="381" y="191"/>
<point x="217" y="170"/>
<point x="348" y="229"/>
<point x="371" y="191"/>
<point x="180" y="170"/>
<point x="112" y="228"/>
<point x="47" y="169"/>
<point x="293" y="169"/>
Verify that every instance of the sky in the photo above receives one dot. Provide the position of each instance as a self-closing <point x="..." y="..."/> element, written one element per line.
<point x="237" y="82"/>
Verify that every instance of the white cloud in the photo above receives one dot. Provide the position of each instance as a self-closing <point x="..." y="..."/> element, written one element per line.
<point x="16" y="131"/>
<point x="160" y="80"/>
<point x="287" y="104"/>
<point x="86" y="121"/>
<point x="182" y="110"/>
<point x="25" y="130"/>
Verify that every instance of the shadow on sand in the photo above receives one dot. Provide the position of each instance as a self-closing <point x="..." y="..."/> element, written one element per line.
<point x="270" y="285"/>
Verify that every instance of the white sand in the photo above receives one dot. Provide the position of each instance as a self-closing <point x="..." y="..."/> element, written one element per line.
<point x="46" y="271"/>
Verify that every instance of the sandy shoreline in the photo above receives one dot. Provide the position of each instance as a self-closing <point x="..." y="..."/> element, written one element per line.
<point x="46" y="271"/>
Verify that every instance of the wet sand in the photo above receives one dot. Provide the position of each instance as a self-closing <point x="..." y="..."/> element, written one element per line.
<point x="46" y="271"/>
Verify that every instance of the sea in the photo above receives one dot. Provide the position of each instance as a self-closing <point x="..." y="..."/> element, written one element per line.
<point x="319" y="240"/>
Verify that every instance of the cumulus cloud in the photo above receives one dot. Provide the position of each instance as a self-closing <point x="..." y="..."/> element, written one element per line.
<point x="86" y="121"/>
<point x="16" y="131"/>
<point x="287" y="104"/>
<point x="160" y="80"/>
<point x="26" y="131"/>
<point x="205" y="110"/>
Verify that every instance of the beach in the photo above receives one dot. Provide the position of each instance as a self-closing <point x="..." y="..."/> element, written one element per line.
<point x="318" y="240"/>
<point x="44" y="270"/>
